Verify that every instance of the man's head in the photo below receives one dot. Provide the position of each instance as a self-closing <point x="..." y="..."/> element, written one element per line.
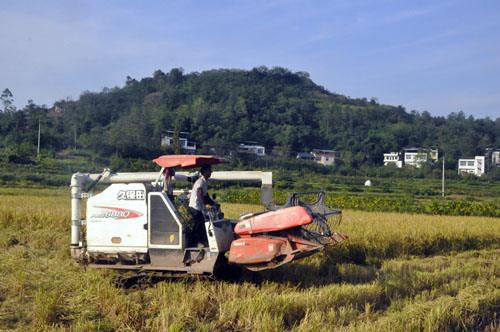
<point x="206" y="171"/>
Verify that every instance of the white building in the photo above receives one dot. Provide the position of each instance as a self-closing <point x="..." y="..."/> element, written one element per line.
<point x="474" y="165"/>
<point x="495" y="157"/>
<point x="184" y="143"/>
<point x="418" y="156"/>
<point x="252" y="147"/>
<point x="324" y="157"/>
<point x="393" y="158"/>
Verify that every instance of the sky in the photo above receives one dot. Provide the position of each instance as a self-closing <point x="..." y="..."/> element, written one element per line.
<point x="436" y="56"/>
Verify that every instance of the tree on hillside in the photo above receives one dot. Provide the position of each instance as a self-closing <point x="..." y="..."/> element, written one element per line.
<point x="7" y="101"/>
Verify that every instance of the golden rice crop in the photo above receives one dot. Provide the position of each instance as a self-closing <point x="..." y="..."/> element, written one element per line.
<point x="396" y="272"/>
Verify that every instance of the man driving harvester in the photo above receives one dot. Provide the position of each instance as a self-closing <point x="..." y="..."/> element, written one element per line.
<point x="198" y="201"/>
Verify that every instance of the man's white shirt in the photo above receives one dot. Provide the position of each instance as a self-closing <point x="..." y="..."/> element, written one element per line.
<point x="194" y="202"/>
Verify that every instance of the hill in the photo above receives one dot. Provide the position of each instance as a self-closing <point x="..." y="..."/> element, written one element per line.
<point x="284" y="111"/>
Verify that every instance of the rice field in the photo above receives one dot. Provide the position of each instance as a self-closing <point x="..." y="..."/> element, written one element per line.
<point x="396" y="272"/>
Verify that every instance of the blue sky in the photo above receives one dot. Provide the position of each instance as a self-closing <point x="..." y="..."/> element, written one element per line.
<point x="439" y="56"/>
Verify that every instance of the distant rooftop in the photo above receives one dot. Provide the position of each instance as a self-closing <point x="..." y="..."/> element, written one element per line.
<point x="180" y="132"/>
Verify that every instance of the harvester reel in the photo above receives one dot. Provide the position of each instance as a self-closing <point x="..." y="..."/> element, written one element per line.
<point x="323" y="216"/>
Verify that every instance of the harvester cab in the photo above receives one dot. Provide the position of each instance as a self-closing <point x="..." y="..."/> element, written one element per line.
<point x="138" y="223"/>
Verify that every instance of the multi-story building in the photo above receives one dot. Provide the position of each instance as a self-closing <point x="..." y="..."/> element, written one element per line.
<point x="184" y="143"/>
<point x="393" y="158"/>
<point x="495" y="158"/>
<point x="493" y="155"/>
<point x="325" y="157"/>
<point x="473" y="165"/>
<point x="252" y="147"/>
<point x="418" y="156"/>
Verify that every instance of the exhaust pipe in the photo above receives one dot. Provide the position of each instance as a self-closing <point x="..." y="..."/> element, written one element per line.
<point x="76" y="214"/>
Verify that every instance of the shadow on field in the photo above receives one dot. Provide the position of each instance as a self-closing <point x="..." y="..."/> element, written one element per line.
<point x="134" y="281"/>
<point x="305" y="276"/>
<point x="297" y="274"/>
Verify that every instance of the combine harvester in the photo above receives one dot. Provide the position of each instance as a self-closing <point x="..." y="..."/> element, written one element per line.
<point x="135" y="224"/>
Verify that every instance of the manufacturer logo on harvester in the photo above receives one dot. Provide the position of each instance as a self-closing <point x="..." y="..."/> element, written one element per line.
<point x="116" y="213"/>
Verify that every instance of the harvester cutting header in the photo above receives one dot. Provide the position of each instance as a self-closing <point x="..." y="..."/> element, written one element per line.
<point x="136" y="223"/>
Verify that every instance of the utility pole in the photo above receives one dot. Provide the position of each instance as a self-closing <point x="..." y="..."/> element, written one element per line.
<point x="442" y="187"/>
<point x="75" y="137"/>
<point x="39" y="127"/>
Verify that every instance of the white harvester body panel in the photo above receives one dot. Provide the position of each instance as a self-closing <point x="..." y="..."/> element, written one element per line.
<point x="164" y="223"/>
<point x="116" y="220"/>
<point x="220" y="235"/>
<point x="135" y="224"/>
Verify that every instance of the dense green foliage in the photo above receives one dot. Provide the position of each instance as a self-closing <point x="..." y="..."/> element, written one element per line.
<point x="284" y="111"/>
<point x="406" y="191"/>
<point x="386" y="204"/>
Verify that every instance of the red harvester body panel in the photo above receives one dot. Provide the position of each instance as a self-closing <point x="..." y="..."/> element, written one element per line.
<point x="273" y="221"/>
<point x="253" y="250"/>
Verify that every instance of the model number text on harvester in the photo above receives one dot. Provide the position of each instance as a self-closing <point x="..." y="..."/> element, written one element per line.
<point x="116" y="213"/>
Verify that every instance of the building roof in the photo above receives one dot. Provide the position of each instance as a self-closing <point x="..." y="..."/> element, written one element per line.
<point x="173" y="132"/>
<point x="305" y="155"/>
<point x="323" y="151"/>
<point x="250" y="143"/>
<point x="471" y="158"/>
<point x="423" y="149"/>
